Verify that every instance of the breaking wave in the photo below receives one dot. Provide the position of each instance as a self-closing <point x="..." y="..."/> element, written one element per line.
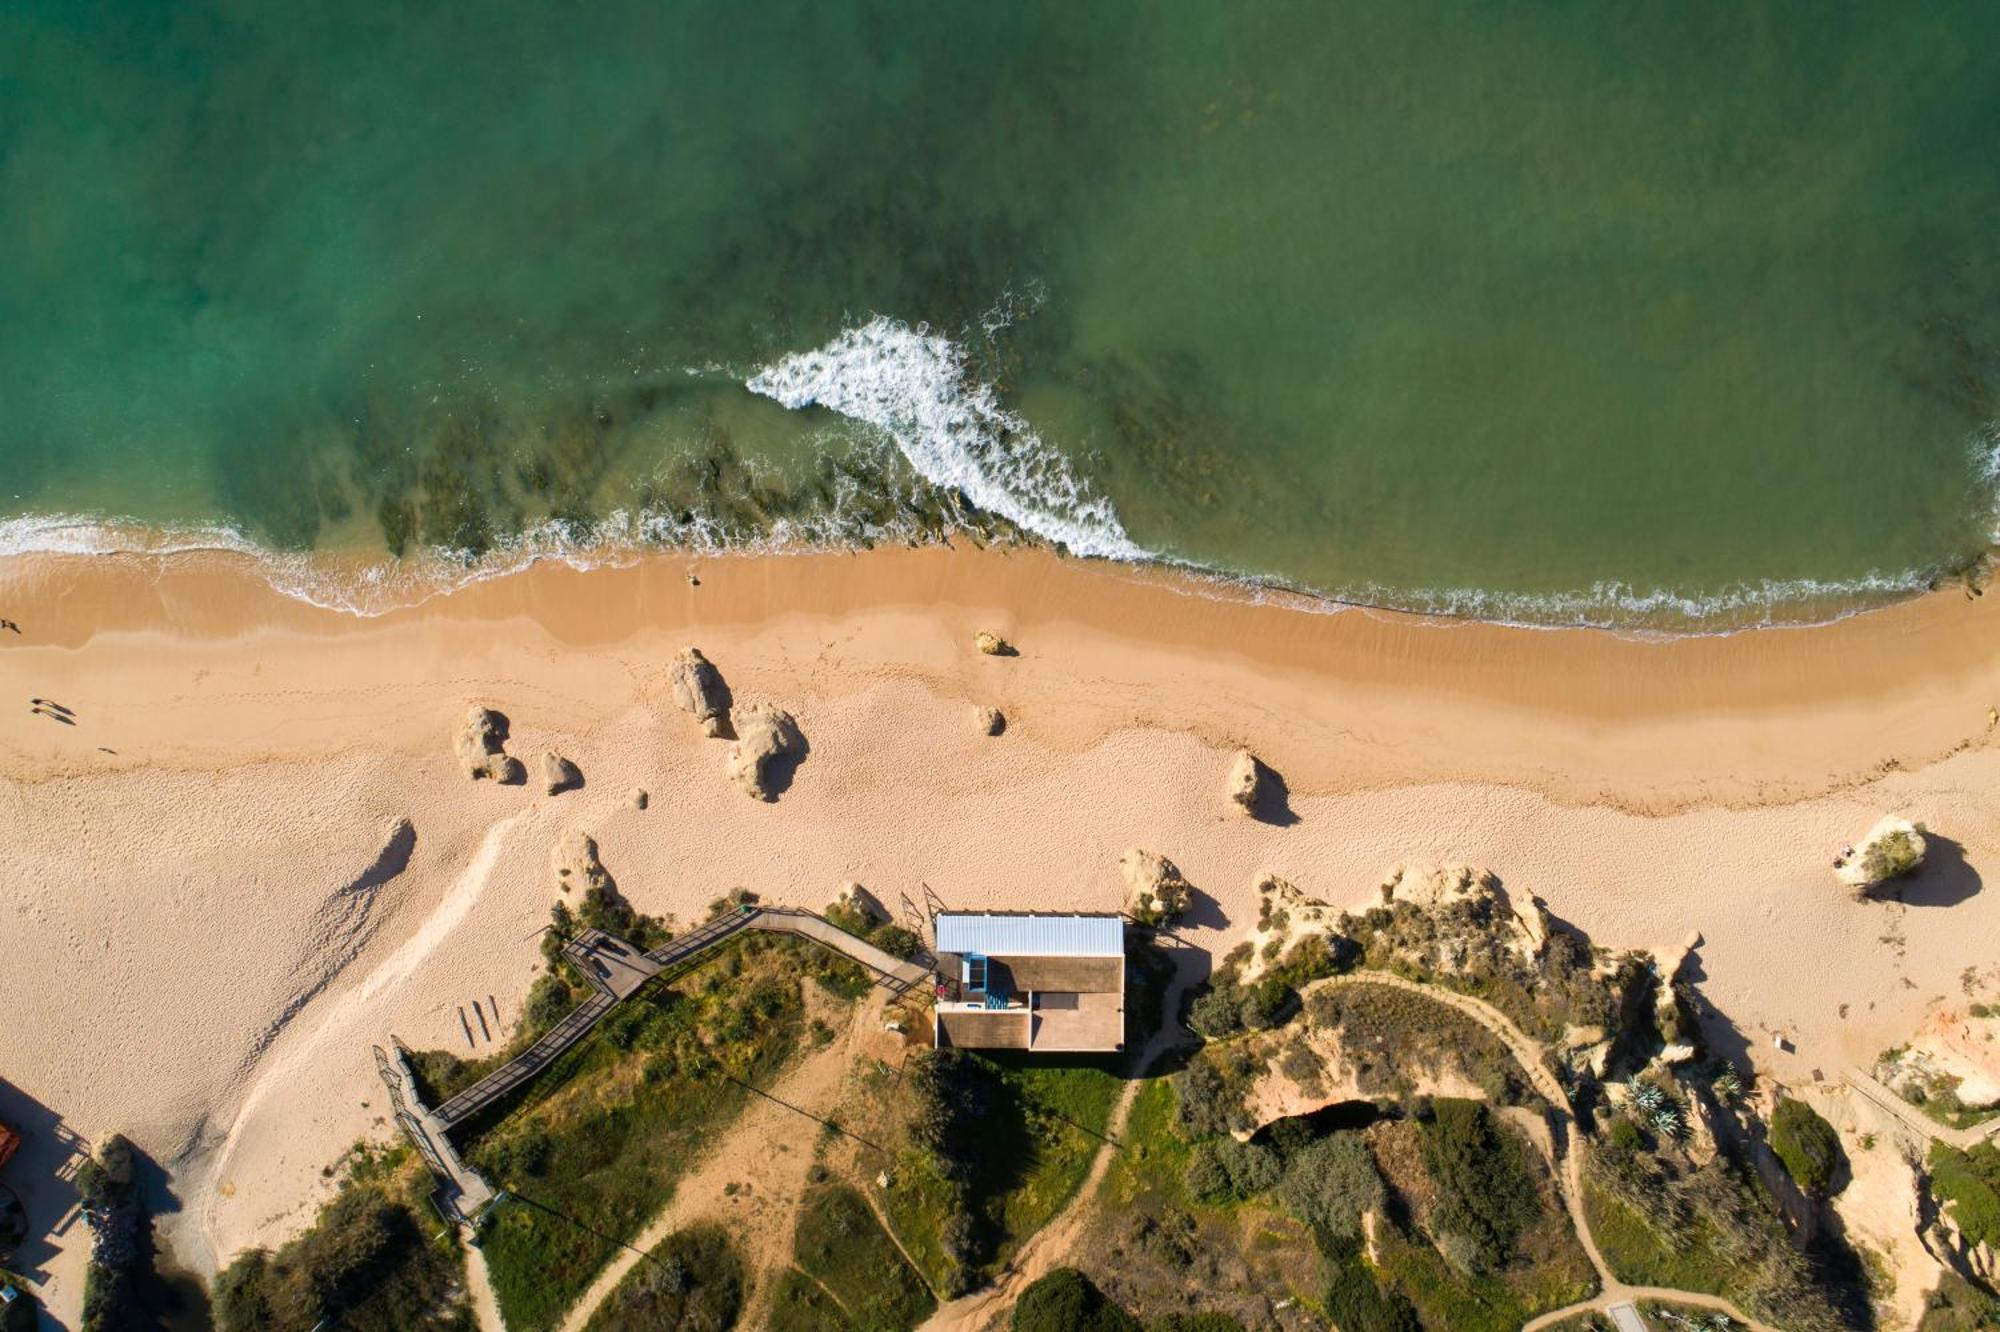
<point x="912" y="385"/>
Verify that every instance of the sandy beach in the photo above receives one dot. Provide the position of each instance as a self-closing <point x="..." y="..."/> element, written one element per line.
<point x="206" y="933"/>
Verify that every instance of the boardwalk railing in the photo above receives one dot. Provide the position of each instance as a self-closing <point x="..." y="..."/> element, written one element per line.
<point x="593" y="953"/>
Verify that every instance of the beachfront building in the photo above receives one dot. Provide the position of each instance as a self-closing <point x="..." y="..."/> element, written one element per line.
<point x="1022" y="981"/>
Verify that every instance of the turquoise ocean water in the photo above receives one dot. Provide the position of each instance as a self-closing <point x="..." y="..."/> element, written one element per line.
<point x="1682" y="315"/>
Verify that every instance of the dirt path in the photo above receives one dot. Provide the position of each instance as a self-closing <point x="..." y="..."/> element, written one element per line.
<point x="1048" y="1247"/>
<point x="766" y="1153"/>
<point x="485" y="1307"/>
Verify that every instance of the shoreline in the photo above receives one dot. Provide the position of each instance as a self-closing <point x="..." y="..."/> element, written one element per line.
<point x="1904" y="686"/>
<point x="198" y="853"/>
<point x="366" y="581"/>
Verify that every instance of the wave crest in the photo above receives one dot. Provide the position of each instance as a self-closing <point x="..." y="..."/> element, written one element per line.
<point x="912" y="385"/>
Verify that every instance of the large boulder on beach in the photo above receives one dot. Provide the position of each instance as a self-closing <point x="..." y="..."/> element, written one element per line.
<point x="1156" y="893"/>
<point x="1246" y="782"/>
<point x="768" y="742"/>
<point x="699" y="691"/>
<point x="481" y="748"/>
<point x="992" y="644"/>
<point x="576" y="862"/>
<point x="1893" y="848"/>
<point x="559" y="774"/>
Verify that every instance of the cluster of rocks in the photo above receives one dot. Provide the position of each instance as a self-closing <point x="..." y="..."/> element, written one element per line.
<point x="481" y="746"/>
<point x="1156" y="892"/>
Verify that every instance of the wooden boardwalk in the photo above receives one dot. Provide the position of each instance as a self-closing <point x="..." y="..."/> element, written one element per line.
<point x="615" y="971"/>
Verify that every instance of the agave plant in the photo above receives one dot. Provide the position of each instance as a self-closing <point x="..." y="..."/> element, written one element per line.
<point x="1728" y="1085"/>
<point x="1648" y="1097"/>
<point x="1667" y="1122"/>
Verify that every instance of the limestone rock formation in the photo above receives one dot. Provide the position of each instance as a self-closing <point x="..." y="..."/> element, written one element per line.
<point x="1155" y="891"/>
<point x="558" y="773"/>
<point x="1455" y="886"/>
<point x="857" y="902"/>
<point x="992" y="644"/>
<point x="481" y="748"/>
<point x="699" y="691"/>
<point x="1246" y="781"/>
<point x="576" y="862"/>
<point x="1893" y="848"/>
<point x="989" y="721"/>
<point x="768" y="741"/>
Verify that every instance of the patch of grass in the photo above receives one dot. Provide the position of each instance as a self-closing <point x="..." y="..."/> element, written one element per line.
<point x="373" y="1261"/>
<point x="1639" y="1256"/>
<point x="1959" y="1306"/>
<point x="593" y="1149"/>
<point x="983" y="1173"/>
<point x="845" y="1259"/>
<point x="1152" y="1157"/>
<point x="692" y="1281"/>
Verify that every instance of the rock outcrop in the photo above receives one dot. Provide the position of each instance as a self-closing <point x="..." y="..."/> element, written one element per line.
<point x="481" y="746"/>
<point x="992" y="644"/>
<point x="1246" y="782"/>
<point x="768" y="743"/>
<point x="576" y="862"/>
<point x="857" y="902"/>
<point x="559" y="774"/>
<point x="1893" y="848"/>
<point x="1453" y="886"/>
<point x="989" y="721"/>
<point x="699" y="691"/>
<point x="1156" y="893"/>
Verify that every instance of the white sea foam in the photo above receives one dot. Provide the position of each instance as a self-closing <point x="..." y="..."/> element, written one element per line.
<point x="912" y="385"/>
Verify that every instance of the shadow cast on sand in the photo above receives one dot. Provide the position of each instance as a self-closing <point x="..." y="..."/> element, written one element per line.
<point x="43" y="1175"/>
<point x="1274" y="798"/>
<point x="1945" y="880"/>
<point x="779" y="769"/>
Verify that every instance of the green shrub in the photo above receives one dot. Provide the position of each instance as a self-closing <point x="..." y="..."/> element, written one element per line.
<point x="1486" y="1197"/>
<point x="1331" y="1183"/>
<point x="1356" y="1302"/>
<point x="895" y="940"/>
<point x="692" y="1281"/>
<point x="1808" y="1146"/>
<point x="1970" y="1183"/>
<point x="1226" y="1170"/>
<point x="1066" y="1301"/>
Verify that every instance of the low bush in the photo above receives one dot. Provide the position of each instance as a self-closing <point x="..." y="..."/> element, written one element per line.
<point x="1065" y="1300"/>
<point x="1485" y="1194"/>
<point x="1329" y="1184"/>
<point x="1967" y="1184"/>
<point x="1808" y="1146"/>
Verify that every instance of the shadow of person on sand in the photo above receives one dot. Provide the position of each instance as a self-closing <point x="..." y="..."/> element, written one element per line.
<point x="1945" y="879"/>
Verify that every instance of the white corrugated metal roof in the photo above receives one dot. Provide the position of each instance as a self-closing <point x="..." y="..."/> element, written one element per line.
<point x="1030" y="936"/>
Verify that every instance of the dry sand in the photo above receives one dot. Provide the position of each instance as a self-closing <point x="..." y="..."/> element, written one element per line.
<point x="204" y="937"/>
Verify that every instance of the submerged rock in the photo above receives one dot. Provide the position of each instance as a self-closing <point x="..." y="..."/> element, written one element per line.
<point x="481" y="748"/>
<point x="1156" y="893"/>
<point x="768" y="744"/>
<point x="699" y="691"/>
<point x="559" y="774"/>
